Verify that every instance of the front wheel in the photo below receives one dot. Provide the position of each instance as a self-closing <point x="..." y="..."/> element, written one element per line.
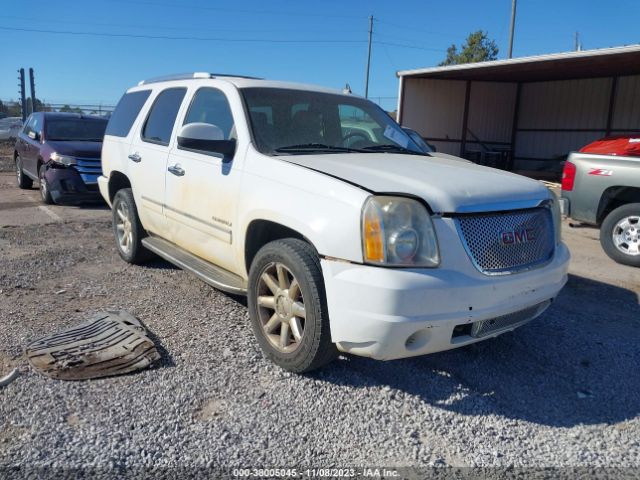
<point x="45" y="192"/>
<point x="620" y="234"/>
<point x="288" y="307"/>
<point x="128" y="229"/>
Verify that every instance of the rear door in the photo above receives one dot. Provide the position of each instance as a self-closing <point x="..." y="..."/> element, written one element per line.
<point x="148" y="156"/>
<point x="202" y="187"/>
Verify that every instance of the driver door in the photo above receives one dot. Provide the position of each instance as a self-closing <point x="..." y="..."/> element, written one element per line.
<point x="202" y="187"/>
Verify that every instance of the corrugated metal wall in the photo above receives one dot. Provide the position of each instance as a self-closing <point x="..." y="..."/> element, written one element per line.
<point x="434" y="109"/>
<point x="554" y="118"/>
<point x="491" y="108"/>
<point x="569" y="107"/>
<point x="626" y="114"/>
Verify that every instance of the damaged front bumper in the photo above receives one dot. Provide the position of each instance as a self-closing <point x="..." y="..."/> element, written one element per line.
<point x="387" y="313"/>
<point x="68" y="187"/>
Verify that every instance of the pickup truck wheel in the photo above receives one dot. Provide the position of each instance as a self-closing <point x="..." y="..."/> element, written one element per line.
<point x="127" y="228"/>
<point x="24" y="182"/>
<point x="288" y="307"/>
<point x="620" y="234"/>
<point x="45" y="193"/>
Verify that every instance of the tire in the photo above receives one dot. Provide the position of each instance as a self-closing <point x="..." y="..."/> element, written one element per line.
<point x="23" y="181"/>
<point x="290" y="262"/>
<point x="126" y="223"/>
<point x="45" y="193"/>
<point x="620" y="234"/>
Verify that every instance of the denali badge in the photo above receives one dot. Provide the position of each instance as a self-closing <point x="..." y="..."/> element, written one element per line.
<point x="523" y="235"/>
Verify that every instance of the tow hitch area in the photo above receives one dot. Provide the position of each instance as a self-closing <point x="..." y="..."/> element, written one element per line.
<point x="110" y="343"/>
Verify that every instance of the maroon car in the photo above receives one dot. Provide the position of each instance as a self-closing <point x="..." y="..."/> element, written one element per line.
<point x="61" y="151"/>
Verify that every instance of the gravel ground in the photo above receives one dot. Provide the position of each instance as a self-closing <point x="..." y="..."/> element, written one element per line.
<point x="563" y="391"/>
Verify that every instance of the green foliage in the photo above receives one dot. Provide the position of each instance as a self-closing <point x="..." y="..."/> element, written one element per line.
<point x="478" y="48"/>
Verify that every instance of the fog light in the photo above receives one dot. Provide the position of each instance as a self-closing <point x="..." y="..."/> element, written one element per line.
<point x="417" y="340"/>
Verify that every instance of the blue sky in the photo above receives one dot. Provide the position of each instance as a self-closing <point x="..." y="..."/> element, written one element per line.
<point x="313" y="42"/>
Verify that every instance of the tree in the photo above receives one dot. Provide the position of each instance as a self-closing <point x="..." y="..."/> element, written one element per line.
<point x="478" y="48"/>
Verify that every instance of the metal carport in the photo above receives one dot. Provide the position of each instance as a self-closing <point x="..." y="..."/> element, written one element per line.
<point x="524" y="114"/>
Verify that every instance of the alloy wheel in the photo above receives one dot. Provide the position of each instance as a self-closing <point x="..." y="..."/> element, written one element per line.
<point x="123" y="227"/>
<point x="44" y="186"/>
<point x="19" y="169"/>
<point x="626" y="235"/>
<point x="281" y="307"/>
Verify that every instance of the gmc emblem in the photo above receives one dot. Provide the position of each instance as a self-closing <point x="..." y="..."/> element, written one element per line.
<point x="523" y="235"/>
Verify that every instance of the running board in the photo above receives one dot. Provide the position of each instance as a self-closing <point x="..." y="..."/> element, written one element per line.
<point x="208" y="272"/>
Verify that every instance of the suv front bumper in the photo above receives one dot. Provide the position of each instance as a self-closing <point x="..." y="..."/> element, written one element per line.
<point x="388" y="313"/>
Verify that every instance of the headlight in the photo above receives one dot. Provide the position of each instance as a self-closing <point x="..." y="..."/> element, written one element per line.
<point x="63" y="159"/>
<point x="398" y="231"/>
<point x="556" y="213"/>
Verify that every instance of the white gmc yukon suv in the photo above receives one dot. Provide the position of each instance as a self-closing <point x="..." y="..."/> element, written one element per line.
<point x="344" y="234"/>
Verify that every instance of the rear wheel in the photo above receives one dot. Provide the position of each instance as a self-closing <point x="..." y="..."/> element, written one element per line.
<point x="127" y="228"/>
<point x="45" y="193"/>
<point x="620" y="234"/>
<point x="24" y="182"/>
<point x="288" y="307"/>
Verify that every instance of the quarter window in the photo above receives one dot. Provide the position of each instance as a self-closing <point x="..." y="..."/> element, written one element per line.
<point x="210" y="106"/>
<point x="126" y="113"/>
<point x="162" y="117"/>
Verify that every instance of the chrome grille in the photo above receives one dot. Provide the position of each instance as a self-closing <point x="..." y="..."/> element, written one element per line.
<point x="493" y="325"/>
<point x="507" y="242"/>
<point x="89" y="169"/>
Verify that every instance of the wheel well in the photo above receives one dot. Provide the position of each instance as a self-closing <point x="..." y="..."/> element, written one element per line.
<point x="117" y="181"/>
<point x="614" y="197"/>
<point x="261" y="232"/>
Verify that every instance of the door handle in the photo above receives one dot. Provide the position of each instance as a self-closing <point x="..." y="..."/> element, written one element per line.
<point x="135" y="157"/>
<point x="176" y="170"/>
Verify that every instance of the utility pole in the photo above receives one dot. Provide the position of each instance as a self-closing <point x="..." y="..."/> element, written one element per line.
<point x="366" y="81"/>
<point x="32" y="83"/>
<point x="513" y="24"/>
<point x="23" y="100"/>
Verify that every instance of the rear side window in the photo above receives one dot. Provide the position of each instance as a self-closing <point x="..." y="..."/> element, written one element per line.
<point x="162" y="117"/>
<point x="126" y="113"/>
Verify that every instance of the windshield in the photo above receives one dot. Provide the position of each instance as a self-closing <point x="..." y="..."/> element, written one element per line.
<point x="298" y="122"/>
<point x="75" y="129"/>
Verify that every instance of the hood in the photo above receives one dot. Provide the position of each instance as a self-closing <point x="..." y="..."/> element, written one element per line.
<point x="448" y="185"/>
<point x="76" y="148"/>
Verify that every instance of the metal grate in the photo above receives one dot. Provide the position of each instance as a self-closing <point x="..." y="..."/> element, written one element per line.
<point x="493" y="325"/>
<point x="507" y="242"/>
<point x="89" y="169"/>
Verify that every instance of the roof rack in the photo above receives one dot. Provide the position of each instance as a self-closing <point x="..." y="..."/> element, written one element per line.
<point x="191" y="76"/>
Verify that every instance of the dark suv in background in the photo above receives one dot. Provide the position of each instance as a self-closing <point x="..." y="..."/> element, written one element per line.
<point x="62" y="152"/>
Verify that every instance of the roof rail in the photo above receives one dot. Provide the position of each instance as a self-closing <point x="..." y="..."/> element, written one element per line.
<point x="190" y="76"/>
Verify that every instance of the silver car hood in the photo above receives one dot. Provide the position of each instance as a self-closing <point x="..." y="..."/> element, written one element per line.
<point x="448" y="184"/>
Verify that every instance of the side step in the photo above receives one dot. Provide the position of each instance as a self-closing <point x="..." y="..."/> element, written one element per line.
<point x="215" y="276"/>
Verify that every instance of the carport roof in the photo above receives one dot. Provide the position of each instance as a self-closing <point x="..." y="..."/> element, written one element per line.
<point x="604" y="62"/>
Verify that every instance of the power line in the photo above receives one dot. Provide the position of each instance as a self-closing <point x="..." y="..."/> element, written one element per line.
<point x="402" y="45"/>
<point x="189" y="28"/>
<point x="165" y="37"/>
<point x="234" y="10"/>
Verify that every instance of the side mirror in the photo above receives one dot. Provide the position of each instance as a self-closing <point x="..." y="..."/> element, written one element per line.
<point x="207" y="138"/>
<point x="33" y="135"/>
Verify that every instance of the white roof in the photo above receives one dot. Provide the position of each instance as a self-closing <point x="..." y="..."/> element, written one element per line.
<point x="237" y="80"/>
<point x="522" y="60"/>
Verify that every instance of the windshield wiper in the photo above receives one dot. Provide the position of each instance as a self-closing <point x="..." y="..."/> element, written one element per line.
<point x="314" y="147"/>
<point x="392" y="148"/>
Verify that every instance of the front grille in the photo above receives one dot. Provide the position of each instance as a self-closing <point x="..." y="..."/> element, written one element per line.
<point x="89" y="169"/>
<point x="506" y="242"/>
<point x="493" y="325"/>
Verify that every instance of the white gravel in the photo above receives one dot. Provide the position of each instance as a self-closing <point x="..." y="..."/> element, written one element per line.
<point x="562" y="392"/>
